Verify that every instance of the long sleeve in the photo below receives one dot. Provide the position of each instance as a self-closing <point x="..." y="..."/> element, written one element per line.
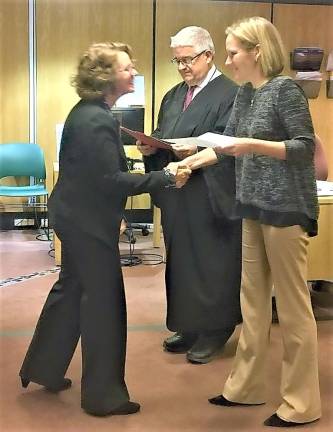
<point x="294" y="114"/>
<point x="106" y="162"/>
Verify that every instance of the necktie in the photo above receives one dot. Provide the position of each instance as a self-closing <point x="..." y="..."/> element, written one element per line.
<point x="188" y="97"/>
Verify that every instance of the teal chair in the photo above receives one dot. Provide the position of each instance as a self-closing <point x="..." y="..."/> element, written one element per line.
<point x="25" y="160"/>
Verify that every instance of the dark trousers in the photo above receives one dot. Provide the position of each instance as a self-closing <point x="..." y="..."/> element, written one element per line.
<point x="88" y="300"/>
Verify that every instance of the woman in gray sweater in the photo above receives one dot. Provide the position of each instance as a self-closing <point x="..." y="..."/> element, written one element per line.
<point x="276" y="198"/>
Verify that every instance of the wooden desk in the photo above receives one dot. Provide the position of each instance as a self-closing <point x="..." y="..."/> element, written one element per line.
<point x="320" y="252"/>
<point x="139" y="201"/>
<point x="320" y="248"/>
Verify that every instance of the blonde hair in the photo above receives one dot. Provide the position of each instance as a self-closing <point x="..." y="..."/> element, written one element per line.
<point x="97" y="69"/>
<point x="259" y="32"/>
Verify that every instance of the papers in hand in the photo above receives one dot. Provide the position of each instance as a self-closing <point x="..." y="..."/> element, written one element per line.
<point x="324" y="188"/>
<point x="208" y="139"/>
<point x="146" y="139"/>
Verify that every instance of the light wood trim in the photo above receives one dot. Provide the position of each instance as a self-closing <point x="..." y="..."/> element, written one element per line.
<point x="157" y="227"/>
<point x="56" y="241"/>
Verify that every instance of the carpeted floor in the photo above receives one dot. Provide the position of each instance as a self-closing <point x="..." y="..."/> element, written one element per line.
<point x="173" y="393"/>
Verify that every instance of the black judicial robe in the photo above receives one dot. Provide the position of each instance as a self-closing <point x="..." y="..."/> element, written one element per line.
<point x="203" y="240"/>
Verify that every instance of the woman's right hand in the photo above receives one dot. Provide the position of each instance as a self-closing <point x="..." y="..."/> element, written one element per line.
<point x="145" y="150"/>
<point x="181" y="171"/>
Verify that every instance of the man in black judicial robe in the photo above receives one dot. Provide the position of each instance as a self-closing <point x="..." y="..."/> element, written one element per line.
<point x="203" y="241"/>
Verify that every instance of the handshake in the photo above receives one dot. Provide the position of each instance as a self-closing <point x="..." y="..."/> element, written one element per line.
<point x="181" y="172"/>
<point x="179" y="169"/>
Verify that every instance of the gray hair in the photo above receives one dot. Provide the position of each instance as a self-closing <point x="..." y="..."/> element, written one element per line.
<point x="196" y="37"/>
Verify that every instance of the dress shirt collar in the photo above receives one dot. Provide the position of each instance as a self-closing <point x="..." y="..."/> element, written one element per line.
<point x="212" y="73"/>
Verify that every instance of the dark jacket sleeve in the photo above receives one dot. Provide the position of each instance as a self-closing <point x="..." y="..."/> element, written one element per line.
<point x="106" y="164"/>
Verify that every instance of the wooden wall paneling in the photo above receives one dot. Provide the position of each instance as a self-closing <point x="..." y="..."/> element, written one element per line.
<point x="172" y="15"/>
<point x="14" y="82"/>
<point x="64" y="30"/>
<point x="311" y="25"/>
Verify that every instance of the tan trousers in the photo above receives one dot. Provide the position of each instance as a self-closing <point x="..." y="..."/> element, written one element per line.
<point x="278" y="256"/>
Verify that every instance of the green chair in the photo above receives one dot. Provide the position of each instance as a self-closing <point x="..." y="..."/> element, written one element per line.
<point x="25" y="160"/>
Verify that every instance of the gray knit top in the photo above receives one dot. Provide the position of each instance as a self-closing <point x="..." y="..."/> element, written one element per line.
<point x="273" y="191"/>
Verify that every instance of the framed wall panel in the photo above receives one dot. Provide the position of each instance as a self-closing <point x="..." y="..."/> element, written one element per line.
<point x="215" y="16"/>
<point x="14" y="64"/>
<point x="311" y="25"/>
<point x="14" y="82"/>
<point x="64" y="30"/>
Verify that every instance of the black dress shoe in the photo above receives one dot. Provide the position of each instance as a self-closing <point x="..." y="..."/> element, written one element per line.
<point x="222" y="401"/>
<point x="205" y="349"/>
<point x="124" y="409"/>
<point x="63" y="385"/>
<point x="275" y="421"/>
<point x="180" y="342"/>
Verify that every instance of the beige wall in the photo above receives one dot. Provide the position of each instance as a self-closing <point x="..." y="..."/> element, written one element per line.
<point x="66" y="27"/>
<point x="311" y="26"/>
<point x="64" y="30"/>
<point x="214" y="16"/>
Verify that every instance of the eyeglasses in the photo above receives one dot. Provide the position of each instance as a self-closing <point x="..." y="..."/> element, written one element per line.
<point x="186" y="61"/>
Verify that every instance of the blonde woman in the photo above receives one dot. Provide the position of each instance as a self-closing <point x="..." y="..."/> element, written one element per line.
<point x="276" y="198"/>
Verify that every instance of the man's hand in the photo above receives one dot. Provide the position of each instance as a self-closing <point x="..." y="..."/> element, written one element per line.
<point x="181" y="171"/>
<point x="184" y="150"/>
<point x="144" y="149"/>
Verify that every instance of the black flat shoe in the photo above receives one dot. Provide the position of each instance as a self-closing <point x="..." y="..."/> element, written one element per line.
<point x="124" y="409"/>
<point x="222" y="401"/>
<point x="275" y="421"/>
<point x="64" y="385"/>
<point x="180" y="342"/>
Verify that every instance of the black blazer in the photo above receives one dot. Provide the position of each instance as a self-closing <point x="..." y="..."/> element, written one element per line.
<point x="93" y="182"/>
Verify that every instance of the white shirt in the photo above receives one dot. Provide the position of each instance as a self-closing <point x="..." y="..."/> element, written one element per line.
<point x="212" y="73"/>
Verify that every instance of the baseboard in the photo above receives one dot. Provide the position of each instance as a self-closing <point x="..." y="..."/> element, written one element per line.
<point x="22" y="220"/>
<point x="26" y="219"/>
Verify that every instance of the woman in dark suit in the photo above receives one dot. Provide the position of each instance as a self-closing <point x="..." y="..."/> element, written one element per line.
<point x="86" y="208"/>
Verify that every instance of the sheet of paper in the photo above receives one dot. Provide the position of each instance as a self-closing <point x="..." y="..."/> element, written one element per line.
<point x="208" y="139"/>
<point x="324" y="188"/>
<point x="183" y="141"/>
